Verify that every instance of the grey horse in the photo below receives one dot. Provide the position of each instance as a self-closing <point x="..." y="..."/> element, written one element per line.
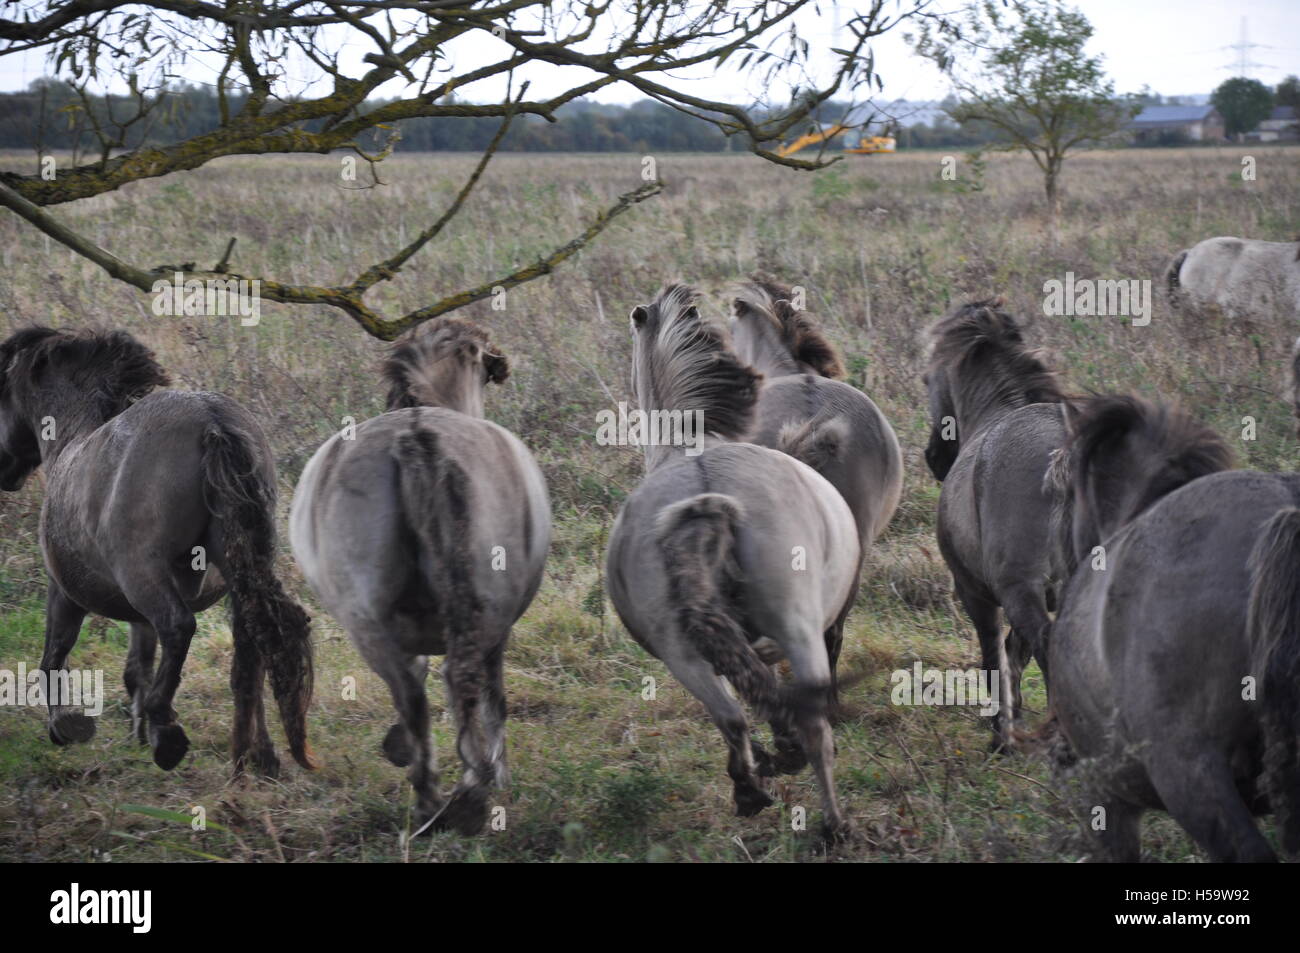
<point x="424" y="532"/>
<point x="155" y="505"/>
<point x="1243" y="277"/>
<point x="724" y="562"/>
<point x="804" y="411"/>
<point x="995" y="419"/>
<point x="1176" y="652"/>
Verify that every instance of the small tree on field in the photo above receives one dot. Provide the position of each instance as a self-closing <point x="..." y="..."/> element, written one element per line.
<point x="1021" y="68"/>
<point x="290" y="77"/>
<point x="1243" y="103"/>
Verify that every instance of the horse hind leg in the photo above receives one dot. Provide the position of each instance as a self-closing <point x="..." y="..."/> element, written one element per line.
<point x="1026" y="610"/>
<point x="1199" y="792"/>
<point x="407" y="743"/>
<point x="465" y="672"/>
<point x="812" y="690"/>
<point x="138" y="675"/>
<point x="494" y="716"/>
<point x="63" y="619"/>
<point x="175" y="625"/>
<point x="982" y="609"/>
<point x="697" y="675"/>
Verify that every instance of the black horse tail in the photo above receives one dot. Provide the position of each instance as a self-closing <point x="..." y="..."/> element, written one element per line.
<point x="240" y="490"/>
<point x="1273" y="630"/>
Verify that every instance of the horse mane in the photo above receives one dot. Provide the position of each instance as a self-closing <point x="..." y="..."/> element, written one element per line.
<point x="692" y="366"/>
<point x="406" y="367"/>
<point x="800" y="331"/>
<point x="1183" y="448"/>
<point x="999" y="367"/>
<point x="111" y="368"/>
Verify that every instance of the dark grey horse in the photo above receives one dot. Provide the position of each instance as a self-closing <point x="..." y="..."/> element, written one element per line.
<point x="155" y="505"/>
<point x="802" y="410"/>
<point x="1175" y="656"/>
<point x="424" y="532"/>
<point x="725" y="562"/>
<point x="995" y="419"/>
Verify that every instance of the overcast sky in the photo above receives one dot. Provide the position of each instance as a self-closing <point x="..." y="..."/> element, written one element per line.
<point x="1176" y="47"/>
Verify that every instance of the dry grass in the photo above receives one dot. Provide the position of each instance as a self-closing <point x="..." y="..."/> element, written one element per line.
<point x="883" y="247"/>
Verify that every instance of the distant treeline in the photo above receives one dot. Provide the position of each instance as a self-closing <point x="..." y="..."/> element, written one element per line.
<point x="49" y="115"/>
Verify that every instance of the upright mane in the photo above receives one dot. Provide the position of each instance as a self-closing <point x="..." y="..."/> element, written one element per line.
<point x="410" y="360"/>
<point x="991" y="362"/>
<point x="799" y="330"/>
<point x="1124" y="453"/>
<point x="691" y="366"/>
<point x="111" y="369"/>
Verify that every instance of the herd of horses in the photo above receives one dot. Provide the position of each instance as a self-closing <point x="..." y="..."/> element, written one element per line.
<point x="1157" y="587"/>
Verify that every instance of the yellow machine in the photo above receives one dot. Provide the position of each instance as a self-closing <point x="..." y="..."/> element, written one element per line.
<point x="850" y="126"/>
<point x="859" y="145"/>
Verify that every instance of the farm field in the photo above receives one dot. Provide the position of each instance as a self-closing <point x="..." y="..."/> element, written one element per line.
<point x="882" y="244"/>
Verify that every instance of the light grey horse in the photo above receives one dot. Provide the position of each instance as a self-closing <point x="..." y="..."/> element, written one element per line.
<point x="724" y="562"/>
<point x="804" y="411"/>
<point x="1176" y="652"/>
<point x="424" y="532"/>
<point x="1240" y="276"/>
<point x="156" y="504"/>
<point x="995" y="419"/>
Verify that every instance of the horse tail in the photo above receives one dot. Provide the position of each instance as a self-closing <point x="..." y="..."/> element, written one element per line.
<point x="817" y="442"/>
<point x="435" y="494"/>
<point x="241" y="493"/>
<point x="697" y="538"/>
<point x="1273" y="630"/>
<point x="1172" y="283"/>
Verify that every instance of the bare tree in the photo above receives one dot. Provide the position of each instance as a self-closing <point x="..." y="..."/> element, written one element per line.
<point x="286" y="84"/>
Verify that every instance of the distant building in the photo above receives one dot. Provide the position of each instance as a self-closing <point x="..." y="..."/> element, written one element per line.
<point x="1159" y="124"/>
<point x="1282" y="123"/>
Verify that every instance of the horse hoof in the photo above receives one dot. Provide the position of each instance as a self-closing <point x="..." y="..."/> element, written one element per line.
<point x="839" y="834"/>
<point x="466" y="811"/>
<point x="71" y="727"/>
<point x="169" y="745"/>
<point x="749" y="801"/>
<point x="764" y="766"/>
<point x="397" y="746"/>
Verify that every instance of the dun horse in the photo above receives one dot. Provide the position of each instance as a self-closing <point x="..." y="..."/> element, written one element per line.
<point x="804" y="411"/>
<point x="722" y="563"/>
<point x="155" y="505"/>
<point x="425" y="533"/>
<point x="995" y="419"/>
<point x="1176" y="662"/>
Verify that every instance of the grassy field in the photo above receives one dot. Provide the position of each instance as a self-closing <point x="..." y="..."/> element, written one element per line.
<point x="882" y="244"/>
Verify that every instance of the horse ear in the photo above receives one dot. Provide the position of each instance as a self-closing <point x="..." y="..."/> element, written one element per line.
<point x="496" y="364"/>
<point x="639" y="316"/>
<point x="739" y="308"/>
